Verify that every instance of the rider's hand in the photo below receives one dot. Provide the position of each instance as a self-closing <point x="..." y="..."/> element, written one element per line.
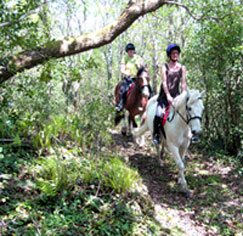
<point x="170" y="100"/>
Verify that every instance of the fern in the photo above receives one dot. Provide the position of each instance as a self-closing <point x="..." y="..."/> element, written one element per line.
<point x="55" y="174"/>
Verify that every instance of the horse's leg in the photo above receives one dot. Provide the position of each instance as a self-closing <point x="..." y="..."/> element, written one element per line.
<point x="180" y="165"/>
<point x="129" y="125"/>
<point x="161" y="154"/>
<point x="124" y="126"/>
<point x="183" y="149"/>
<point x="160" y="151"/>
<point x="141" y="141"/>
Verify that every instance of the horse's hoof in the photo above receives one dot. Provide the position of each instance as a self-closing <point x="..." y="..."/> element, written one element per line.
<point x="161" y="163"/>
<point x="129" y="134"/>
<point x="185" y="193"/>
<point x="188" y="194"/>
<point x="124" y="131"/>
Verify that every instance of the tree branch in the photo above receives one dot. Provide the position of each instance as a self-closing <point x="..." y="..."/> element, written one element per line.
<point x="191" y="14"/>
<point x="5" y="24"/>
<point x="21" y="18"/>
<point x="81" y="43"/>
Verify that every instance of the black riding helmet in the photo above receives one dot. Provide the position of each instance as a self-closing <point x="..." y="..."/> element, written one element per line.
<point x="171" y="47"/>
<point x="130" y="46"/>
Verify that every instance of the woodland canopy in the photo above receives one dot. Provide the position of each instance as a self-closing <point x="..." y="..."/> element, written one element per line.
<point x="59" y="64"/>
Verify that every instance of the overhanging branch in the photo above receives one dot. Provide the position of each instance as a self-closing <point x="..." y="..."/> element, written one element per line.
<point x="82" y="43"/>
<point x="67" y="47"/>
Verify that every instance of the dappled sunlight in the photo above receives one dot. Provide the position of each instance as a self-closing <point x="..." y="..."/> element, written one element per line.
<point x="215" y="193"/>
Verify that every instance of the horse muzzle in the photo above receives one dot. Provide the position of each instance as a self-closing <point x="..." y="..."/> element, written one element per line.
<point x="196" y="134"/>
<point x="145" y="91"/>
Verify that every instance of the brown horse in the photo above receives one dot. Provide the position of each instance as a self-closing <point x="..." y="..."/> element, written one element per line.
<point x="136" y="99"/>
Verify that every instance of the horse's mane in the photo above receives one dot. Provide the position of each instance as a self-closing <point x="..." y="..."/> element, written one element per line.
<point x="189" y="95"/>
<point x="193" y="94"/>
<point x="180" y="100"/>
<point x="141" y="70"/>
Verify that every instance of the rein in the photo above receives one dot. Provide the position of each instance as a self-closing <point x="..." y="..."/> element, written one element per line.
<point x="188" y="116"/>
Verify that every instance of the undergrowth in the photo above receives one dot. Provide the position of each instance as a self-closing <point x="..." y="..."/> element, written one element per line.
<point x="60" y="174"/>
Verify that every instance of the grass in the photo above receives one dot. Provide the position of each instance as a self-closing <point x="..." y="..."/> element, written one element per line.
<point x="75" y="191"/>
<point x="72" y="194"/>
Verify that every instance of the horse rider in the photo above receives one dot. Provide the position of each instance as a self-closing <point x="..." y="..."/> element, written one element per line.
<point x="173" y="73"/>
<point x="130" y="63"/>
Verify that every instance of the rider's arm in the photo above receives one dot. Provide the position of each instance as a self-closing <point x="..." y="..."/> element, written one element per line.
<point x="183" y="81"/>
<point x="164" y="84"/>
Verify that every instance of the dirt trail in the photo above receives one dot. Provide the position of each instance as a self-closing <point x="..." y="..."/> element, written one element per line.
<point x="173" y="210"/>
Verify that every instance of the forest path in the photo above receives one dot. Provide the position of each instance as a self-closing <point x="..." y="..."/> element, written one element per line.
<point x="173" y="210"/>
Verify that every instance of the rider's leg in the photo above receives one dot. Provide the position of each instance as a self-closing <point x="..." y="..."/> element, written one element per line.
<point x="156" y="132"/>
<point x="157" y="125"/>
<point x="123" y="89"/>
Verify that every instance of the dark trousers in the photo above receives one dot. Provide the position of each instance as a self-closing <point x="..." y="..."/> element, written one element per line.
<point x="126" y="81"/>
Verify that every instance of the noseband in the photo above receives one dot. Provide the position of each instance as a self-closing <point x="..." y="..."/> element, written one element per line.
<point x="189" y="117"/>
<point x="140" y="88"/>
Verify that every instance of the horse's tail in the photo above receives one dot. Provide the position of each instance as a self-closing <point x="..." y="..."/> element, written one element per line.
<point x="118" y="118"/>
<point x="141" y="130"/>
<point x="117" y="90"/>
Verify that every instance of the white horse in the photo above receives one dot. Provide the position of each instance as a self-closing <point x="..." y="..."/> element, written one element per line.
<point x="183" y="120"/>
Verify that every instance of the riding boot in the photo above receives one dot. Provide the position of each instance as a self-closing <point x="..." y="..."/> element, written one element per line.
<point x="123" y="89"/>
<point x="119" y="106"/>
<point x="157" y="127"/>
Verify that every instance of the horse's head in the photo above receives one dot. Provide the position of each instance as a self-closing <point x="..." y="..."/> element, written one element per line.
<point x="194" y="110"/>
<point x="142" y="80"/>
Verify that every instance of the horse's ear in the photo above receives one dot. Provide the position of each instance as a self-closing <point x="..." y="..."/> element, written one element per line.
<point x="203" y="93"/>
<point x="180" y="100"/>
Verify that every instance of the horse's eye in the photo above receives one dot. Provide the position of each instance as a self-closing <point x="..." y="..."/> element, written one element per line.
<point x="189" y="108"/>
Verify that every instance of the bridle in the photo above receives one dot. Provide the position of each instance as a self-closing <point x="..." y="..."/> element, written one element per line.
<point x="189" y="117"/>
<point x="140" y="88"/>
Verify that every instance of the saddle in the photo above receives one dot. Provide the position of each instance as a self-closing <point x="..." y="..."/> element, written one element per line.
<point x="129" y="89"/>
<point x="165" y="115"/>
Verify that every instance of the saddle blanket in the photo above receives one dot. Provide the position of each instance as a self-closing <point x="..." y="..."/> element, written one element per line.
<point x="167" y="111"/>
<point x="129" y="90"/>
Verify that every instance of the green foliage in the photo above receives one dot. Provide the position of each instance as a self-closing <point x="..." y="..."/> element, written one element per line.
<point x="79" y="195"/>
<point x="86" y="128"/>
<point x="54" y="174"/>
<point x="112" y="175"/>
<point x="216" y="52"/>
<point x="62" y="111"/>
<point x="20" y="34"/>
<point x="118" y="176"/>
